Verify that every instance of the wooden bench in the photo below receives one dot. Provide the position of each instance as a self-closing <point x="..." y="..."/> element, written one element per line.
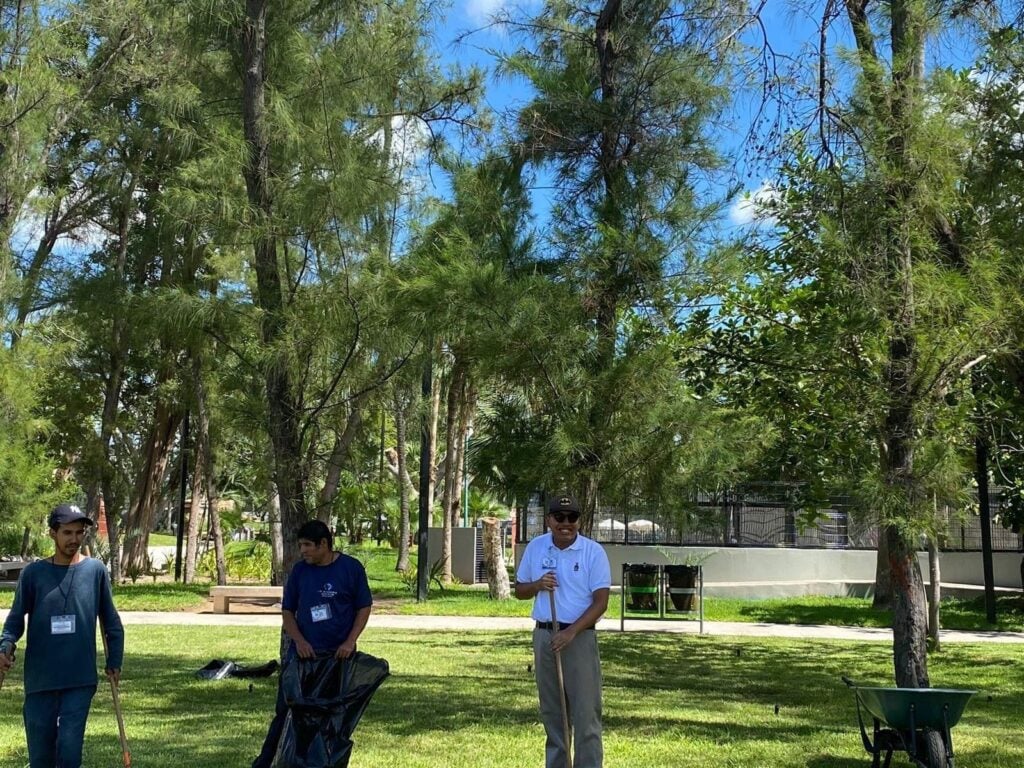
<point x="222" y="596"/>
<point x="10" y="570"/>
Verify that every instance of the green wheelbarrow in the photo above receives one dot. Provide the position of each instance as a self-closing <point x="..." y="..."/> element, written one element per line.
<point x="912" y="720"/>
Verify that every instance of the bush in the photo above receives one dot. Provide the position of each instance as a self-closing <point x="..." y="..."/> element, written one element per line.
<point x="244" y="561"/>
<point x="39" y="544"/>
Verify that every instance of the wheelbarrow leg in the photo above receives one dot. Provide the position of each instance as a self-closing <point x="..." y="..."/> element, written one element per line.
<point x="947" y="736"/>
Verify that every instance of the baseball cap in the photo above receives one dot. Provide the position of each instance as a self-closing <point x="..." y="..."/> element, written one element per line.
<point x="563" y="502"/>
<point x="67" y="513"/>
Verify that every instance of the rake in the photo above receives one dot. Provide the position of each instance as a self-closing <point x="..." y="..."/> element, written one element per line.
<point x="126" y="755"/>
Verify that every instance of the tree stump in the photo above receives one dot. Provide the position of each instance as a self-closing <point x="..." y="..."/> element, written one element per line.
<point x="494" y="560"/>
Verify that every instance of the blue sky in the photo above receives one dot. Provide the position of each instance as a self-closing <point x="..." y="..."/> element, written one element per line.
<point x="468" y="35"/>
<point x="791" y="31"/>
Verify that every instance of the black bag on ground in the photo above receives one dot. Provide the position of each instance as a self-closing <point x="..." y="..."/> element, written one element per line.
<point x="218" y="670"/>
<point x="325" y="697"/>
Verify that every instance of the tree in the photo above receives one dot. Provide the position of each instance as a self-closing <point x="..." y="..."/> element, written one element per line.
<point x="882" y="264"/>
<point x="626" y="92"/>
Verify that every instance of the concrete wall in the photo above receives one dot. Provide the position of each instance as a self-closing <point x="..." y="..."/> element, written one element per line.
<point x="463" y="552"/>
<point x="780" y="572"/>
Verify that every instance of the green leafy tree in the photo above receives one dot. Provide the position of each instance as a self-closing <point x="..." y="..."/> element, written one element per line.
<point x="626" y="92"/>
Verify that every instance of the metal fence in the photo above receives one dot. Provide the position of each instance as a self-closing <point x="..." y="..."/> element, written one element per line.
<point x="770" y="515"/>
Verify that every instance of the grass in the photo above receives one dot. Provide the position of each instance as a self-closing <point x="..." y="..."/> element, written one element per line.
<point x="162" y="540"/>
<point x="467" y="700"/>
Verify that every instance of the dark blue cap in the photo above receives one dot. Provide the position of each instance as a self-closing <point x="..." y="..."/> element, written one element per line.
<point x="63" y="514"/>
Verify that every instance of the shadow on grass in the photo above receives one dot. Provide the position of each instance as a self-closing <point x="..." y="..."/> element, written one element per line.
<point x="827" y="761"/>
<point x="970" y="614"/>
<point x="834" y="615"/>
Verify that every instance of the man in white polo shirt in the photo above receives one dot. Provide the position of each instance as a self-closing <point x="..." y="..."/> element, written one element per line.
<point x="576" y="570"/>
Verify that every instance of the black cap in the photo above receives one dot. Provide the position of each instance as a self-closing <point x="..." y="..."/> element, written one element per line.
<point x="563" y="502"/>
<point x="63" y="514"/>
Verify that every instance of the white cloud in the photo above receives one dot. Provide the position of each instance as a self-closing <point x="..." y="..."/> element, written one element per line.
<point x="755" y="208"/>
<point x="410" y="140"/>
<point x="482" y="12"/>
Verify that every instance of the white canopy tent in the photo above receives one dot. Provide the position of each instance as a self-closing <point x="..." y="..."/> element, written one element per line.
<point x="643" y="525"/>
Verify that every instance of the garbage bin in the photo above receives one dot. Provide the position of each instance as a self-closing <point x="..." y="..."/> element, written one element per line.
<point x="640" y="586"/>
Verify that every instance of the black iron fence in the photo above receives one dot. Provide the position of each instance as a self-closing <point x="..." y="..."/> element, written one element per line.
<point x="771" y="515"/>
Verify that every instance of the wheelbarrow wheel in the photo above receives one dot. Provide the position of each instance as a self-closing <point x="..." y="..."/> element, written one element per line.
<point x="932" y="749"/>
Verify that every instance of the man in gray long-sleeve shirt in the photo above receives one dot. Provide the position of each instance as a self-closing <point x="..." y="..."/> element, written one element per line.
<point x="63" y="596"/>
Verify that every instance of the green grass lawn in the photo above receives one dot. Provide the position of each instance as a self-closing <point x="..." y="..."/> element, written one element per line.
<point x="162" y="540"/>
<point x="467" y="700"/>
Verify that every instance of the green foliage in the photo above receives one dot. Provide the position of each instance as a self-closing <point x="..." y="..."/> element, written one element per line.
<point x="410" y="578"/>
<point x="11" y="537"/>
<point x="28" y="484"/>
<point x="244" y="561"/>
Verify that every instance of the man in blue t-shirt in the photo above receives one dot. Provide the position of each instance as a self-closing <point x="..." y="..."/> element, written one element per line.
<point x="325" y="608"/>
<point x="63" y="596"/>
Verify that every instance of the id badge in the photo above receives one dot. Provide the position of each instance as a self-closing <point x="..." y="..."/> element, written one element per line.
<point x="62" y="625"/>
<point x="321" y="612"/>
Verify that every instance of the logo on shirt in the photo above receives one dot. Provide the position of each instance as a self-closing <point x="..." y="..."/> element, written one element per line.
<point x="327" y="591"/>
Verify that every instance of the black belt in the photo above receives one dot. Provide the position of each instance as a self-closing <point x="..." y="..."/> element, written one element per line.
<point x="561" y="625"/>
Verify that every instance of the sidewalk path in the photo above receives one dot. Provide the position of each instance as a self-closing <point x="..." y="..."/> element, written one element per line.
<point x="470" y="623"/>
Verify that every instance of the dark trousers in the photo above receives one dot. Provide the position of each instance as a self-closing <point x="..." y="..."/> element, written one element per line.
<point x="55" y="726"/>
<point x="266" y="758"/>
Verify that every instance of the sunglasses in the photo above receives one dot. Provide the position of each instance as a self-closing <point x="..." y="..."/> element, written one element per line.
<point x="561" y="517"/>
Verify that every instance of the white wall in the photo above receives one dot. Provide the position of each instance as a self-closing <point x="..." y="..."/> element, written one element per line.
<point x="769" y="572"/>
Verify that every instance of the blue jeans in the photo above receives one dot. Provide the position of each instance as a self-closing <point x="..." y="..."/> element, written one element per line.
<point x="55" y="726"/>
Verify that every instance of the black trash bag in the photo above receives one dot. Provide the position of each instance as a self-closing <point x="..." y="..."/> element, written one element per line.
<point x="218" y="670"/>
<point x="325" y="697"/>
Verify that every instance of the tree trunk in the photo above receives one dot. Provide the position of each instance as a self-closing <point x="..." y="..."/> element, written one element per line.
<point x="149" y="486"/>
<point x="195" y="518"/>
<point x="588" y="503"/>
<point x="494" y="560"/>
<point x="935" y="599"/>
<point x="401" y="476"/>
<point x="208" y="468"/>
<point x="455" y="386"/>
<point x="277" y="572"/>
<point x="883" y="576"/>
<point x="218" y="539"/>
<point x="457" y="454"/>
<point x="108" y="503"/>
<point x="435" y="417"/>
<point x="283" y="406"/>
<point x="404" y="523"/>
<point x="339" y="456"/>
<point x="910" y="620"/>
<point x="29" y="284"/>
